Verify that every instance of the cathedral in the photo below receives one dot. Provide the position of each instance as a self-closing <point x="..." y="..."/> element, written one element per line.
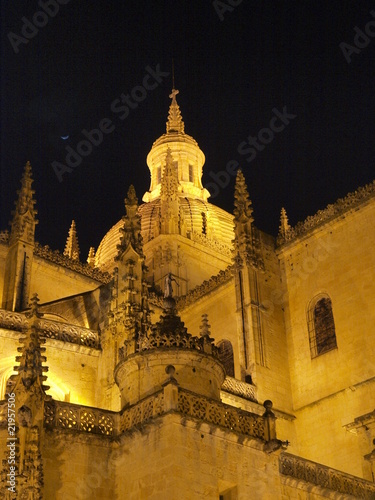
<point x="193" y="355"/>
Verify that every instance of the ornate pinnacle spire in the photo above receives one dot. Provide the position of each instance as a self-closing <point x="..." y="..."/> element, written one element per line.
<point x="34" y="307"/>
<point x="131" y="231"/>
<point x="24" y="216"/>
<point x="243" y="210"/>
<point x="71" y="246"/>
<point x="30" y="369"/>
<point x="91" y="257"/>
<point x="169" y="180"/>
<point x="284" y="228"/>
<point x="205" y="326"/>
<point x="175" y="122"/>
<point x="246" y="243"/>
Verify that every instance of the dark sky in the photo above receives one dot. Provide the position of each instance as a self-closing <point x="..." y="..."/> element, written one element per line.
<point x="232" y="74"/>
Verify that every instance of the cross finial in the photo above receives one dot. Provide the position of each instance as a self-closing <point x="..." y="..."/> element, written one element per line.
<point x="174" y="92"/>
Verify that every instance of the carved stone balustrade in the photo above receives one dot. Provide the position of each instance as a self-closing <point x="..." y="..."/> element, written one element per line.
<point x="69" y="333"/>
<point x="51" y="329"/>
<point x="68" y="416"/>
<point x="142" y="412"/>
<point x="239" y="388"/>
<point x="198" y="407"/>
<point x="325" y="477"/>
<point x="221" y="414"/>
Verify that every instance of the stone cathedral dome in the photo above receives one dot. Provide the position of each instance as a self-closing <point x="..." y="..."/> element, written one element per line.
<point x="176" y="167"/>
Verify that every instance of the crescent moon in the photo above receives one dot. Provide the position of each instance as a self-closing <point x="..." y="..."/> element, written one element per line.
<point x="64" y="137"/>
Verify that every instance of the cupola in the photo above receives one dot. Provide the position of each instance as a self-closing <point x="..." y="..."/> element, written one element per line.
<point x="188" y="159"/>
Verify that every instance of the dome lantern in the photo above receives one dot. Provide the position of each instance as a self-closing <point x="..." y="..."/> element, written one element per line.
<point x="188" y="158"/>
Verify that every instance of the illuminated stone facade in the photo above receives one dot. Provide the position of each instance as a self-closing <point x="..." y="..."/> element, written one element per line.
<point x="165" y="350"/>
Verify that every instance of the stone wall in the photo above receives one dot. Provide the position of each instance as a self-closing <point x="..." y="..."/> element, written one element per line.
<point x="335" y="259"/>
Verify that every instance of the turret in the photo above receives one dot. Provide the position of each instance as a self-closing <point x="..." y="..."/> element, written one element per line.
<point x="169" y="349"/>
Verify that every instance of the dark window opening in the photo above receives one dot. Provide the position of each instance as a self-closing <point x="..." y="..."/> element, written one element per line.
<point x="226" y="356"/>
<point x="322" y="327"/>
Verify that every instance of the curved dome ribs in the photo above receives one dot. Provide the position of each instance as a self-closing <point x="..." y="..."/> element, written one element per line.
<point x="190" y="212"/>
<point x="151" y="225"/>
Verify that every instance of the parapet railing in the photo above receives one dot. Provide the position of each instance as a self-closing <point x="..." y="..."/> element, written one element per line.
<point x="325" y="477"/>
<point x="68" y="416"/>
<point x="140" y="413"/>
<point x="239" y="388"/>
<point x="51" y="329"/>
<point x="72" y="417"/>
<point x="69" y="333"/>
<point x="221" y="414"/>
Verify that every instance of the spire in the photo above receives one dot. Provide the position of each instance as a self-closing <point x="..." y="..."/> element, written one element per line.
<point x="71" y="246"/>
<point x="131" y="230"/>
<point x="29" y="410"/>
<point x="284" y="228"/>
<point x="247" y="242"/>
<point x="91" y="257"/>
<point x="24" y="216"/>
<point x="19" y="258"/>
<point x="175" y="122"/>
<point x="205" y="326"/>
<point x="243" y="210"/>
<point x="30" y="369"/>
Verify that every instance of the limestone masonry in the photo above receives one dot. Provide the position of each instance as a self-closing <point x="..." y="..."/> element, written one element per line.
<point x="193" y="356"/>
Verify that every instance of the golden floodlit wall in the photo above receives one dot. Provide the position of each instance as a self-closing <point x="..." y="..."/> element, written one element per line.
<point x="335" y="260"/>
<point x="202" y="462"/>
<point x="52" y="281"/>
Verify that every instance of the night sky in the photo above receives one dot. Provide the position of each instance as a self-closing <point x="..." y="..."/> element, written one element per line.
<point x="234" y="66"/>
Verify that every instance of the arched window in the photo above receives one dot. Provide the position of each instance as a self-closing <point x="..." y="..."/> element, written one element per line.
<point x="321" y="326"/>
<point x="226" y="356"/>
<point x="191" y="173"/>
